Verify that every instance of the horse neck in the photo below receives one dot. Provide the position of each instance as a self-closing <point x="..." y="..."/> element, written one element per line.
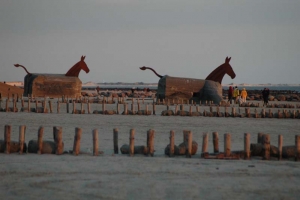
<point x="74" y="71"/>
<point x="217" y="75"/>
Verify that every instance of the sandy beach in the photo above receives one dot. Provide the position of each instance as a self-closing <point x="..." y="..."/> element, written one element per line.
<point x="117" y="176"/>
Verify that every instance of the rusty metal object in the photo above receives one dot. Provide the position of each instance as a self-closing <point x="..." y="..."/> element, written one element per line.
<point x="55" y="85"/>
<point x="178" y="88"/>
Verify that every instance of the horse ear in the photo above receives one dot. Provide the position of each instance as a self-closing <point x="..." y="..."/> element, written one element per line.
<point x="82" y="58"/>
<point x="226" y="59"/>
<point x="229" y="59"/>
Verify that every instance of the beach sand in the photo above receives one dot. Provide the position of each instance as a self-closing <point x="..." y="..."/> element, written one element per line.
<point x="117" y="176"/>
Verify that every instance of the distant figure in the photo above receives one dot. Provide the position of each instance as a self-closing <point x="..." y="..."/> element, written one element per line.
<point x="230" y="94"/>
<point x="244" y="95"/>
<point x="265" y="94"/>
<point x="236" y="94"/>
<point x="4" y="82"/>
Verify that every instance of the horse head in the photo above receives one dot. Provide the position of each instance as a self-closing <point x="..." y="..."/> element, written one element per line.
<point x="81" y="65"/>
<point x="218" y="74"/>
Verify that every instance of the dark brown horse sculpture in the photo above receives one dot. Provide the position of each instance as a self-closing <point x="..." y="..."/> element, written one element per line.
<point x="197" y="89"/>
<point x="216" y="75"/>
<point x="73" y="71"/>
<point x="55" y="85"/>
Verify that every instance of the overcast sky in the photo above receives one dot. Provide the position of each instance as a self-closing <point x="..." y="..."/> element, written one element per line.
<point x="178" y="38"/>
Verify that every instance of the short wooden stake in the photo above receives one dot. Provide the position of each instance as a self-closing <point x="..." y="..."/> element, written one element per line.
<point x="58" y="106"/>
<point x="50" y="106"/>
<point x="131" y="142"/>
<point x="150" y="143"/>
<point x="280" y="143"/>
<point x="189" y="145"/>
<point x="246" y="146"/>
<point x="89" y="107"/>
<point x="40" y="139"/>
<point x="266" y="147"/>
<point x="14" y="105"/>
<point x="7" y="132"/>
<point x="297" y="145"/>
<point x="176" y="109"/>
<point x="172" y="143"/>
<point x="216" y="142"/>
<point x="81" y="103"/>
<point x="125" y="109"/>
<point x="154" y="107"/>
<point x="74" y="107"/>
<point x="118" y="108"/>
<point x="95" y="142"/>
<point x="77" y="138"/>
<point x="260" y="138"/>
<point x="22" y="138"/>
<point x="227" y="144"/>
<point x="205" y="143"/>
<point x="116" y="146"/>
<point x="6" y="106"/>
<point x="58" y="140"/>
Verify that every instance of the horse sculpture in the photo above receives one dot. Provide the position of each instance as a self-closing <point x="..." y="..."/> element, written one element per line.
<point x="55" y="85"/>
<point x="209" y="89"/>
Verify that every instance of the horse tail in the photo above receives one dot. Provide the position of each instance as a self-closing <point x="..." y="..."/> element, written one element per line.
<point x="17" y="65"/>
<point x="144" y="68"/>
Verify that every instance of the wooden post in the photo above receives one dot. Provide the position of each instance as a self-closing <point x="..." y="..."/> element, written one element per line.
<point x="36" y="106"/>
<point x="125" y="109"/>
<point x="58" y="106"/>
<point x="247" y="146"/>
<point x="22" y="130"/>
<point x="197" y="109"/>
<point x="297" y="145"/>
<point x="6" y="106"/>
<point x="103" y="106"/>
<point x="116" y="146"/>
<point x="138" y="106"/>
<point x="40" y="139"/>
<point x="216" y="142"/>
<point x="74" y="107"/>
<point x="81" y="107"/>
<point x="150" y="143"/>
<point x="233" y="111"/>
<point x="190" y="111"/>
<point x="50" y="106"/>
<point x="68" y="105"/>
<point x="266" y="147"/>
<point x="14" y="105"/>
<point x="154" y="106"/>
<point x="118" y="108"/>
<point x="22" y="103"/>
<point x="146" y="109"/>
<point x="280" y="143"/>
<point x="77" y="138"/>
<point x="89" y="107"/>
<point x="205" y="143"/>
<point x="189" y="145"/>
<point x="95" y="142"/>
<point x="172" y="143"/>
<point x="7" y="131"/>
<point x="176" y="109"/>
<point x="131" y="142"/>
<point x="181" y="107"/>
<point x="44" y="105"/>
<point x="227" y="144"/>
<point x="260" y="138"/>
<point x="58" y="140"/>
<point x="263" y="113"/>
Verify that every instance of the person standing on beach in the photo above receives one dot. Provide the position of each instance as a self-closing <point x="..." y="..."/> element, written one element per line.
<point x="265" y="95"/>
<point x="236" y="94"/>
<point x="230" y="94"/>
<point x="244" y="95"/>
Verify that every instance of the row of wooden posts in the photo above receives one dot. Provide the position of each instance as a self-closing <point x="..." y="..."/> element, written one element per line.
<point x="43" y="109"/>
<point x="263" y="139"/>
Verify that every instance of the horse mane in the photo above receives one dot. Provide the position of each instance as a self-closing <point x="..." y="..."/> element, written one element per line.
<point x="74" y="71"/>
<point x="218" y="74"/>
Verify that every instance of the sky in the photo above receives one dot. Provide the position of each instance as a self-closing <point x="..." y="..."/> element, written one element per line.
<point x="181" y="38"/>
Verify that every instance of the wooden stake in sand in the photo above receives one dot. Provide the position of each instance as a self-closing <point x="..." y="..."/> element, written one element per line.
<point x="116" y="146"/>
<point x="247" y="146"/>
<point x="40" y="140"/>
<point x="189" y="145"/>
<point x="95" y="142"/>
<point x="89" y="107"/>
<point x="280" y="143"/>
<point x="22" y="129"/>
<point x="7" y="131"/>
<point x="172" y="143"/>
<point x="150" y="142"/>
<point x="216" y="142"/>
<point x="77" y="138"/>
<point x="205" y="143"/>
<point x="154" y="106"/>
<point x="125" y="109"/>
<point x="6" y="105"/>
<point x="74" y="107"/>
<point x="266" y="147"/>
<point x="227" y="144"/>
<point x="58" y="139"/>
<point x="131" y="142"/>
<point x="50" y="106"/>
<point x="260" y="138"/>
<point x="58" y="106"/>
